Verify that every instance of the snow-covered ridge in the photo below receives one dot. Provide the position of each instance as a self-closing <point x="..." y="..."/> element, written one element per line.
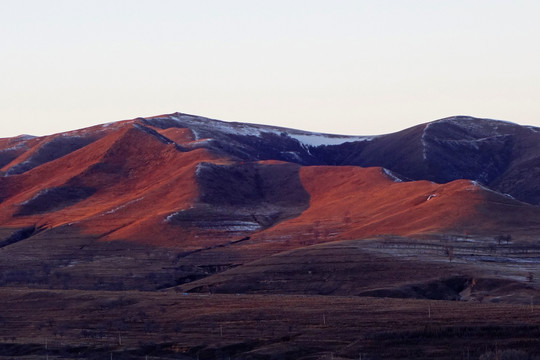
<point x="469" y="120"/>
<point x="316" y="139"/>
<point x="204" y="127"/>
<point x="477" y="126"/>
<point x="26" y="137"/>
<point x="479" y="130"/>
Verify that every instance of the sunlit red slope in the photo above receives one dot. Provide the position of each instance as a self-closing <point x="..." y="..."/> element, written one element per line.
<point x="133" y="182"/>
<point x="121" y="179"/>
<point x="194" y="183"/>
<point x="352" y="202"/>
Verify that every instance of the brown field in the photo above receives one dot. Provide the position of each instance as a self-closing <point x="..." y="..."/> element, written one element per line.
<point x="37" y="324"/>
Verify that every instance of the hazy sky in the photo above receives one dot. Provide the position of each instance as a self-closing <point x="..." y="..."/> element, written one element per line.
<point x="350" y="67"/>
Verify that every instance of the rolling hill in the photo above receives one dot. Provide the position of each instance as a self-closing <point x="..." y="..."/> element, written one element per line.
<point x="192" y="186"/>
<point x="447" y="210"/>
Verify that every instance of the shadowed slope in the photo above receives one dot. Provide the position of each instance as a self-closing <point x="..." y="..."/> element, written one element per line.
<point x="361" y="268"/>
<point x="337" y="268"/>
<point x="501" y="155"/>
<point x="231" y="202"/>
<point x="11" y="148"/>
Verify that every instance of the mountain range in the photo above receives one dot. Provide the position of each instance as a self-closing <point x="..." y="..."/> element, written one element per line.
<point x="140" y="236"/>
<point x="216" y="195"/>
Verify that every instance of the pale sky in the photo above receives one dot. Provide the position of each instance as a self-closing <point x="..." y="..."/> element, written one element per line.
<point x="347" y="67"/>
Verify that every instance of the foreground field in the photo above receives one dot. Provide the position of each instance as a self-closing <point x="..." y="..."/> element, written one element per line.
<point x="38" y="324"/>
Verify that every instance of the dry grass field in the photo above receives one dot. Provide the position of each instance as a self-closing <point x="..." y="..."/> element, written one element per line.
<point x="74" y="324"/>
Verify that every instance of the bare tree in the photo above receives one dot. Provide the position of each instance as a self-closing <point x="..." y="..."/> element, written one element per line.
<point x="449" y="251"/>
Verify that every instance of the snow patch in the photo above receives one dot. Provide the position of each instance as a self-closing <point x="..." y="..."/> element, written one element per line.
<point x="477" y="186"/>
<point x="501" y="259"/>
<point x="230" y="225"/>
<point x="13" y="170"/>
<point x="478" y="126"/>
<point x="391" y="175"/>
<point x="169" y="218"/>
<point x="196" y="135"/>
<point x="42" y="192"/>
<point x="200" y="143"/>
<point x="474" y="143"/>
<point x="72" y="134"/>
<point x="474" y="123"/>
<point x="306" y="148"/>
<point x="25" y="137"/>
<point x="293" y="155"/>
<point x="424" y="143"/>
<point x="14" y="147"/>
<point x="217" y="125"/>
<point x="122" y="206"/>
<point x="316" y="139"/>
<point x="199" y="168"/>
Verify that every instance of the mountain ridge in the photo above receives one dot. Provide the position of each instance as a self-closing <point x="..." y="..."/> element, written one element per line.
<point x="205" y="195"/>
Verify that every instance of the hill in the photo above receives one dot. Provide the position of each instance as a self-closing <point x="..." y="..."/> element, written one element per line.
<point x="189" y="205"/>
